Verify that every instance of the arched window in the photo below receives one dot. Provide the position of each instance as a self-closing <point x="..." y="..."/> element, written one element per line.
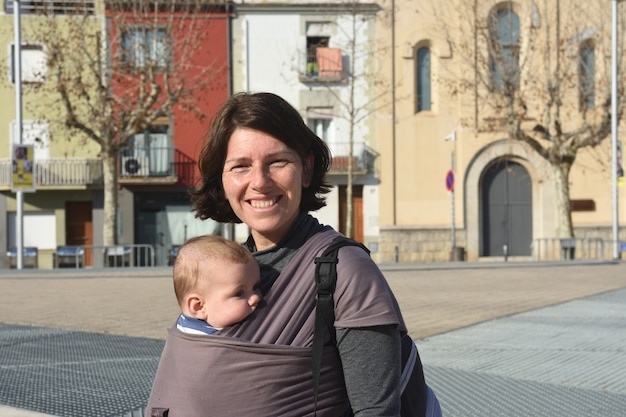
<point x="423" y="93"/>
<point x="504" y="55"/>
<point x="586" y="71"/>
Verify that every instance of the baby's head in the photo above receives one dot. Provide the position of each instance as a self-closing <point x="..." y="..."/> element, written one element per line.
<point x="216" y="280"/>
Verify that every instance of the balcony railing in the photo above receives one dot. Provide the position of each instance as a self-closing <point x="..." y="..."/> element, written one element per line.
<point x="362" y="160"/>
<point x="156" y="165"/>
<point x="146" y="162"/>
<point x="325" y="66"/>
<point x="52" y="6"/>
<point x="59" y="172"/>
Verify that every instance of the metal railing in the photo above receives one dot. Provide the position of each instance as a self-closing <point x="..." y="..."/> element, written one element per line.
<point x="115" y="256"/>
<point x="567" y="249"/>
<point x="363" y="156"/>
<point x="311" y="68"/>
<point x="147" y="161"/>
<point x="59" y="171"/>
<point x="53" y="6"/>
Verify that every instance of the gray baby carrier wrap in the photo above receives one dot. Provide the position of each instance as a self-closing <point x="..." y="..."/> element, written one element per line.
<point x="220" y="376"/>
<point x="262" y="366"/>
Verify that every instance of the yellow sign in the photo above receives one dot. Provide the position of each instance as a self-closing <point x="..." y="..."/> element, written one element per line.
<point x="23" y="173"/>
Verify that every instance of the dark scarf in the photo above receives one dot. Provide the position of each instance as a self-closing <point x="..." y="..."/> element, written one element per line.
<point x="273" y="260"/>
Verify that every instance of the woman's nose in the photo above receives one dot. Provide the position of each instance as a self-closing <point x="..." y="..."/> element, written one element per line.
<point x="260" y="177"/>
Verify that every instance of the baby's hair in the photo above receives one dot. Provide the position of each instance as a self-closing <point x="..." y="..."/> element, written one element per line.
<point x="205" y="248"/>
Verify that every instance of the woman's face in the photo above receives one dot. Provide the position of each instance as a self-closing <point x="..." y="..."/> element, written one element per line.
<point x="263" y="180"/>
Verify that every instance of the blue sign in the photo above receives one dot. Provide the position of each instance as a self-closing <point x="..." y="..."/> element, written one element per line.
<point x="450" y="180"/>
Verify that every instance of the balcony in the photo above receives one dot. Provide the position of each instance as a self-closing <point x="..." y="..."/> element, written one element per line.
<point x="155" y="165"/>
<point x="59" y="172"/>
<point x="65" y="7"/>
<point x="325" y="66"/>
<point x="362" y="160"/>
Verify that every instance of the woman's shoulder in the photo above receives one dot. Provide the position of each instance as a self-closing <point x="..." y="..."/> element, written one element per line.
<point x="348" y="251"/>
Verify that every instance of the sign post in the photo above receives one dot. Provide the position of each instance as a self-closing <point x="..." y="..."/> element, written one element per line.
<point x="19" y="194"/>
<point x="450" y="188"/>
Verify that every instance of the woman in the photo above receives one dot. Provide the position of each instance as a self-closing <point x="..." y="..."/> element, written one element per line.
<point x="261" y="165"/>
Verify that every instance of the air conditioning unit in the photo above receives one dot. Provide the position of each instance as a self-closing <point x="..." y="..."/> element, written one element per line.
<point x="135" y="166"/>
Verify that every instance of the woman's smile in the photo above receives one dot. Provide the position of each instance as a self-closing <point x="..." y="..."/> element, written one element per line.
<point x="262" y="204"/>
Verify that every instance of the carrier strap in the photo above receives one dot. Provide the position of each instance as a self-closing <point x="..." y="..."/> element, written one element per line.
<point x="326" y="280"/>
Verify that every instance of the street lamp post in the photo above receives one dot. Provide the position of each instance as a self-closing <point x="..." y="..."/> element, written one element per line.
<point x="614" y="121"/>
<point x="452" y="137"/>
<point x="17" y="76"/>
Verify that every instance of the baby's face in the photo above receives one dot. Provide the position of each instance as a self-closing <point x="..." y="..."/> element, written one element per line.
<point x="233" y="292"/>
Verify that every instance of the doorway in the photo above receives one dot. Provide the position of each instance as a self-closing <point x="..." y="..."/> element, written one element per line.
<point x="506" y="207"/>
<point x="357" y="211"/>
<point x="79" y="226"/>
<point x="165" y="221"/>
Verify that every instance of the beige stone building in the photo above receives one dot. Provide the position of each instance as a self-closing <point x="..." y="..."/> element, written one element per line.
<point x="455" y="65"/>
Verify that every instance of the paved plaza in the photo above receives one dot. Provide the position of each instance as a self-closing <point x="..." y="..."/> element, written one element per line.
<point x="497" y="339"/>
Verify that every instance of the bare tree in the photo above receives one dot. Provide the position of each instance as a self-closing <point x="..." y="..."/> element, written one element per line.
<point x="537" y="70"/>
<point x="361" y="88"/>
<point x="118" y="75"/>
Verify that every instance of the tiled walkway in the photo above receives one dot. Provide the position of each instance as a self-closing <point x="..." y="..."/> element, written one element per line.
<point x="567" y="360"/>
<point x="496" y="340"/>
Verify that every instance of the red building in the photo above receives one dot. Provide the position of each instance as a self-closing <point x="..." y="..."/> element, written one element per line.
<point x="169" y="73"/>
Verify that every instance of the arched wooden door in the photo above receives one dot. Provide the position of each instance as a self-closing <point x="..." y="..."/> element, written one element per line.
<point x="506" y="210"/>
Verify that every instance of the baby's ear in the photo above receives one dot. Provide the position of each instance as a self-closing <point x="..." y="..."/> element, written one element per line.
<point x="195" y="306"/>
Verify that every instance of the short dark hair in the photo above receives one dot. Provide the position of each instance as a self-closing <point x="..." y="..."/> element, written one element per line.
<point x="270" y="114"/>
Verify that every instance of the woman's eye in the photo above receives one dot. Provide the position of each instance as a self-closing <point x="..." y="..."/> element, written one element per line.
<point x="280" y="163"/>
<point x="239" y="168"/>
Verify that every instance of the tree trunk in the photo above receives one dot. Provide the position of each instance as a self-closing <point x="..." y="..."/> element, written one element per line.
<point x="109" y="167"/>
<point x="564" y="213"/>
<point x="349" y="208"/>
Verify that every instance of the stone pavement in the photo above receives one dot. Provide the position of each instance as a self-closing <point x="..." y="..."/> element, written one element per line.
<point x="105" y="328"/>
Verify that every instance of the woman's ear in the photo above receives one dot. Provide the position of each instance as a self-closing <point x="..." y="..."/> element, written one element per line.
<point x="195" y="306"/>
<point x="307" y="170"/>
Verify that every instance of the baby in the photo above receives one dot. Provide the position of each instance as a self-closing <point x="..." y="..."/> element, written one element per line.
<point x="216" y="282"/>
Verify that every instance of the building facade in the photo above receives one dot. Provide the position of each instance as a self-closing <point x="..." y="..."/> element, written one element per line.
<point x="157" y="165"/>
<point x="454" y="65"/>
<point x="321" y="58"/>
<point x="67" y="174"/>
<point x="441" y="122"/>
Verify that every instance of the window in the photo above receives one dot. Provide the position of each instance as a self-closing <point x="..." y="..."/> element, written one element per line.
<point x="321" y="59"/>
<point x="34" y="64"/>
<point x="319" y="120"/>
<point x="504" y="54"/>
<point x="145" y="47"/>
<point x="586" y="73"/>
<point x="423" y="79"/>
<point x="312" y="43"/>
<point x="148" y="153"/>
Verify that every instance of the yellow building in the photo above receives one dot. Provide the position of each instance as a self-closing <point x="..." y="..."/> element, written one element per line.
<point x="67" y="171"/>
<point x="469" y="76"/>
